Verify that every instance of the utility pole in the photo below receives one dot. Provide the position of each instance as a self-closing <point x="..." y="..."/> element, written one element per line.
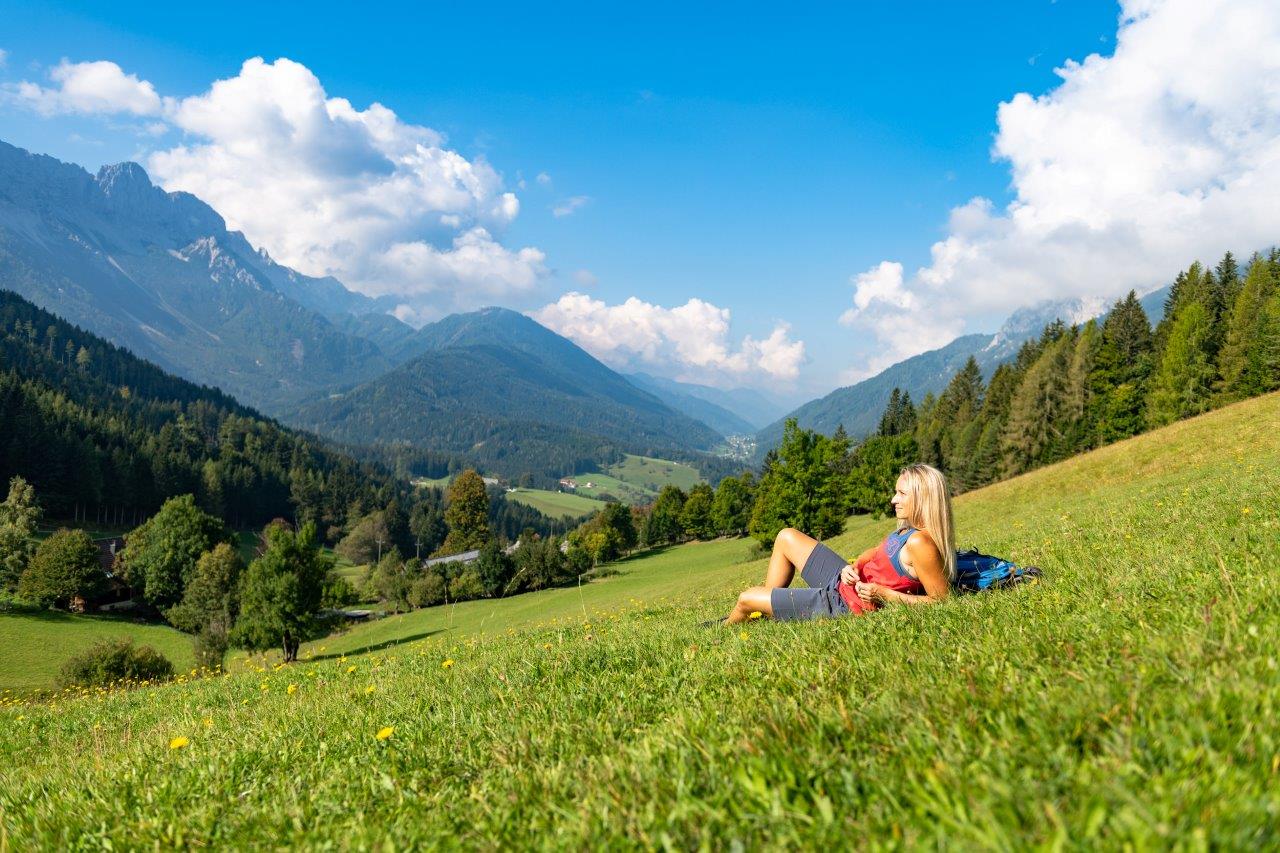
<point x="417" y="549"/>
<point x="379" y="550"/>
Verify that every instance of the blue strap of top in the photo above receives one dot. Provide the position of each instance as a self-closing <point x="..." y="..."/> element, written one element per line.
<point x="893" y="544"/>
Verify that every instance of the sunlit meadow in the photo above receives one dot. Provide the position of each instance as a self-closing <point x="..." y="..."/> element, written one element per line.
<point x="1131" y="697"/>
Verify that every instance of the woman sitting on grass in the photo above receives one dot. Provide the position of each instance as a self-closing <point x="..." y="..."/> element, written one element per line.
<point x="915" y="564"/>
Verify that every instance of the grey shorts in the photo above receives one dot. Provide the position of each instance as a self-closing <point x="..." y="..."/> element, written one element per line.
<point x="821" y="600"/>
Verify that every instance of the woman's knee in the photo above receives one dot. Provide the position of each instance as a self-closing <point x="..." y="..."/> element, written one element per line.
<point x="751" y="599"/>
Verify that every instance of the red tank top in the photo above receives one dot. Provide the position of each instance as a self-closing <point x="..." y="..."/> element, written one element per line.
<point x="885" y="568"/>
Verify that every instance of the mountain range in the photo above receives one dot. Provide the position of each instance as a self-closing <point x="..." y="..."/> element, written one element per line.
<point x="160" y="274"/>
<point x="496" y="386"/>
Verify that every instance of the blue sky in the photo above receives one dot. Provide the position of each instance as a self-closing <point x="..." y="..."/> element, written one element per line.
<point x="757" y="162"/>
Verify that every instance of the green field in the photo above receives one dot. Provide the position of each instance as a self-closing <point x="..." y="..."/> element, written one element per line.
<point x="555" y="504"/>
<point x="637" y="479"/>
<point x="433" y="482"/>
<point x="34" y="645"/>
<point x="1127" y="701"/>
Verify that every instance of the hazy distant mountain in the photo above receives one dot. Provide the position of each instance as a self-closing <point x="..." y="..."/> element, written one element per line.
<point x="675" y="395"/>
<point x="728" y="410"/>
<point x="513" y="395"/>
<point x="860" y="406"/>
<point x="160" y="274"/>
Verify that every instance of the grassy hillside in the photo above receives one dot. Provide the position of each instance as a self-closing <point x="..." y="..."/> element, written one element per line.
<point x="36" y="644"/>
<point x="1126" y="700"/>
<point x="637" y="479"/>
<point x="555" y="504"/>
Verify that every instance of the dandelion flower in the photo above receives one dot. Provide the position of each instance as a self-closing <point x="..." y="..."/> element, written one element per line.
<point x="384" y="732"/>
<point x="351" y="669"/>
<point x="743" y="635"/>
<point x="447" y="663"/>
<point x="755" y="614"/>
<point x="369" y="689"/>
<point x="1246" y="510"/>
<point x="293" y="688"/>
<point x="179" y="742"/>
<point x="208" y="722"/>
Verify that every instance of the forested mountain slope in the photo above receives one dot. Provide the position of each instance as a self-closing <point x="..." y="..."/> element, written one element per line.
<point x="101" y="433"/>
<point x="510" y="394"/>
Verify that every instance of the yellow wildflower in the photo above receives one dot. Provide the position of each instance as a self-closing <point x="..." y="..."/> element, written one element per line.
<point x="384" y="732"/>
<point x="755" y="614"/>
<point x="179" y="742"/>
<point x="369" y="689"/>
<point x="447" y="663"/>
<point x="351" y="669"/>
<point x="743" y="635"/>
<point x="293" y="688"/>
<point x="208" y="722"/>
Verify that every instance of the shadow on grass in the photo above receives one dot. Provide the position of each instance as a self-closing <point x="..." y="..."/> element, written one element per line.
<point x="30" y="611"/>
<point x="377" y="647"/>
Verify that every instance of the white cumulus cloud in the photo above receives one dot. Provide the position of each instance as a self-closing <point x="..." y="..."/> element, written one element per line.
<point x="87" y="88"/>
<point x="327" y="188"/>
<point x="330" y="189"/>
<point x="690" y="342"/>
<point x="1133" y="166"/>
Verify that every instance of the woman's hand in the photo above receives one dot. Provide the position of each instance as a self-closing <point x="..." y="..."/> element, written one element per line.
<point x="869" y="592"/>
<point x="849" y="575"/>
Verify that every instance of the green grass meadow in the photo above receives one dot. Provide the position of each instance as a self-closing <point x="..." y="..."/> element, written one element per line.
<point x="1126" y="702"/>
<point x="555" y="504"/>
<point x="35" y="644"/>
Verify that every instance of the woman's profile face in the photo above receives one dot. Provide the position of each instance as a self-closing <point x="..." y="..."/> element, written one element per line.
<point x="901" y="502"/>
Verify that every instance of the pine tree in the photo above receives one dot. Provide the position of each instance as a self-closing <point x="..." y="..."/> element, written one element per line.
<point x="1269" y="347"/>
<point x="889" y="420"/>
<point x="1117" y="383"/>
<point x="899" y="415"/>
<point x="956" y="409"/>
<point x="1031" y="434"/>
<point x="983" y="465"/>
<point x="1241" y="363"/>
<point x="19" y="515"/>
<point x="1181" y="384"/>
<point x="1076" y="429"/>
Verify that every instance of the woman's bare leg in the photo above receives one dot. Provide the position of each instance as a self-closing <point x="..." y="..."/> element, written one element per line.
<point x="751" y="600"/>
<point x="791" y="549"/>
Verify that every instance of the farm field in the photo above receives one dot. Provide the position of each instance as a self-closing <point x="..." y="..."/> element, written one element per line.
<point x="436" y="482"/>
<point x="555" y="504"/>
<point x="1122" y="702"/>
<point x="637" y="479"/>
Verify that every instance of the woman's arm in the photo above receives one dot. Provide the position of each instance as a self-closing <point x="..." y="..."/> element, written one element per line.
<point x="849" y="574"/>
<point x="924" y="558"/>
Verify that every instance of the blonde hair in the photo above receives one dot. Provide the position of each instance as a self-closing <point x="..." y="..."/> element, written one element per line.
<point x="930" y="510"/>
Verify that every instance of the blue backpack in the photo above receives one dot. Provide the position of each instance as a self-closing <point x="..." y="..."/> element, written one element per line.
<point x="977" y="572"/>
